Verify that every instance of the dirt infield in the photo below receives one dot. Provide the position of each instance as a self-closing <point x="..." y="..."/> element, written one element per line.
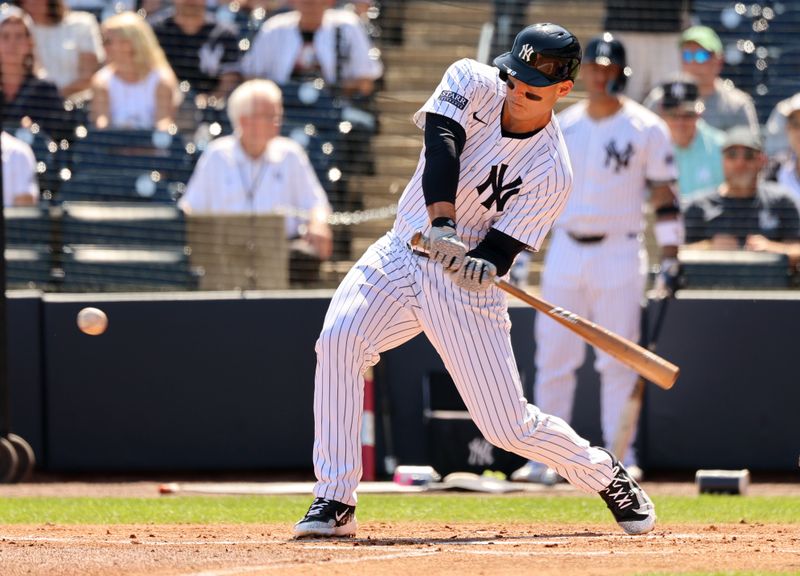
<point x="432" y="549"/>
<point x="541" y="549"/>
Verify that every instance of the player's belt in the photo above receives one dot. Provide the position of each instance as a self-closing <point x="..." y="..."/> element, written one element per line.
<point x="587" y="239"/>
<point x="596" y="238"/>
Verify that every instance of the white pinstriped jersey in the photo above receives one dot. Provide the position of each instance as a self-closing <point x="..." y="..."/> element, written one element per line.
<point x="614" y="160"/>
<point x="515" y="185"/>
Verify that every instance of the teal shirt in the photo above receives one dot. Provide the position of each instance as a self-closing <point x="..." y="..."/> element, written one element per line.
<point x="700" y="165"/>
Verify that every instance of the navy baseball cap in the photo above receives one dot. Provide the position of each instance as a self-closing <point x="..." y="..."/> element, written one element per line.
<point x="542" y="55"/>
<point x="681" y="94"/>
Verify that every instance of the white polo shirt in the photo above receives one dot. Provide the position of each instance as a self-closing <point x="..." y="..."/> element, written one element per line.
<point x="19" y="169"/>
<point x="228" y="181"/>
<point x="278" y="43"/>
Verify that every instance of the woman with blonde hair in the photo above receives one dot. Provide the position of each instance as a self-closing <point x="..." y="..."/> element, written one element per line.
<point x="136" y="88"/>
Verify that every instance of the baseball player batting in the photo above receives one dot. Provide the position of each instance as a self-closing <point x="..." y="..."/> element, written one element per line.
<point x="596" y="265"/>
<point x="492" y="177"/>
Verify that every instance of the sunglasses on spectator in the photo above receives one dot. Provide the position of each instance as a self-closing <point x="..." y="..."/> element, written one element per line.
<point x="699" y="56"/>
<point x="746" y="153"/>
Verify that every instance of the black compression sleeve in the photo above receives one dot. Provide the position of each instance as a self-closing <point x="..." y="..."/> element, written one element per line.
<point x="498" y="248"/>
<point x="444" y="142"/>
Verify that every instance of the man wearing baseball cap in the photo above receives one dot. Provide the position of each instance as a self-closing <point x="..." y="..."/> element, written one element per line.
<point x="697" y="145"/>
<point x="787" y="169"/>
<point x="701" y="57"/>
<point x="744" y="211"/>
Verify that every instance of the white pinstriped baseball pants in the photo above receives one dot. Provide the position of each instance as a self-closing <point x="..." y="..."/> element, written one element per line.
<point x="390" y="296"/>
<point x="603" y="282"/>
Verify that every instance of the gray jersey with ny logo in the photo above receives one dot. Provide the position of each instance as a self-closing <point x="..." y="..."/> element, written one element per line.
<point x="518" y="185"/>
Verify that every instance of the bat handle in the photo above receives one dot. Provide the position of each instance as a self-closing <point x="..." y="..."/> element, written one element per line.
<point x="420" y="241"/>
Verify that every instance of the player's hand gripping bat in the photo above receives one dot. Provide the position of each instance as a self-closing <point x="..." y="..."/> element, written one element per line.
<point x="654" y="368"/>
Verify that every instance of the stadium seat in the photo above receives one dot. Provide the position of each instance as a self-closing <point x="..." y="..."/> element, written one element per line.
<point x="704" y="269"/>
<point x="27" y="225"/>
<point x="104" y="268"/>
<point x="28" y="267"/>
<point x="102" y="156"/>
<point x="312" y="102"/>
<point x="122" y="185"/>
<point x="122" y="224"/>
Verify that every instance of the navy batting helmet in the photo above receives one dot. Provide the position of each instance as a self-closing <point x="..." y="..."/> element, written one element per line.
<point x="606" y="50"/>
<point x="542" y="54"/>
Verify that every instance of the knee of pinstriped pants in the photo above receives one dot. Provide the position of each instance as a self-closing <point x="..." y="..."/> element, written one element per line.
<point x="348" y="353"/>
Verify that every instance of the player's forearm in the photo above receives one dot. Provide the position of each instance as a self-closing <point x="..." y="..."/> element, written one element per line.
<point x="668" y="228"/>
<point x="441" y="210"/>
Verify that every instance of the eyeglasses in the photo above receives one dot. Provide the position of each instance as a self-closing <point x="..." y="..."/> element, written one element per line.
<point x="552" y="68"/>
<point x="699" y="56"/>
<point x="746" y="153"/>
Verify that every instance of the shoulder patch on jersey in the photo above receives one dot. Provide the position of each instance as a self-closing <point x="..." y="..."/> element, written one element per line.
<point x="456" y="100"/>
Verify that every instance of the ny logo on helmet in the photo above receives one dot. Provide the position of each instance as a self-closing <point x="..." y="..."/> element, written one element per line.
<point x="526" y="52"/>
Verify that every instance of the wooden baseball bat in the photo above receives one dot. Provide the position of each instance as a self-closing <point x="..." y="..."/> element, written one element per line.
<point x="652" y="367"/>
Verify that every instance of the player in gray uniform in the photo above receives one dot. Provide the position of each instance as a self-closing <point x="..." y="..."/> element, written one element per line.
<point x="492" y="177"/>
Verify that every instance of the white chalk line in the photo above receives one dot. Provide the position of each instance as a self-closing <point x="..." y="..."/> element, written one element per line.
<point x="324" y="543"/>
<point x="277" y="565"/>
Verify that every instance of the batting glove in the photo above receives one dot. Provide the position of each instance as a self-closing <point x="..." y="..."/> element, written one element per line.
<point x="446" y="247"/>
<point x="476" y="275"/>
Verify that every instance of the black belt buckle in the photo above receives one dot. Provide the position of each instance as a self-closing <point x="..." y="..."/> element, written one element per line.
<point x="587" y="239"/>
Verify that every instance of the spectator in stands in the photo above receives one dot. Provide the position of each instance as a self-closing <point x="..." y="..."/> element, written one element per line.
<point x="786" y="168"/>
<point x="776" y="144"/>
<point x="743" y="211"/>
<point x="248" y="15"/>
<point x="698" y="146"/>
<point x="360" y="7"/>
<point x="20" y="187"/>
<point x="650" y="31"/>
<point x="256" y="170"/>
<point x="29" y="98"/>
<point x="201" y="51"/>
<point x="725" y="105"/>
<point x="137" y="88"/>
<point x="68" y="43"/>
<point x="312" y="41"/>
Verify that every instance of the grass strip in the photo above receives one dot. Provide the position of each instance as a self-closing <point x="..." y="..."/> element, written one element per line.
<point x="394" y="508"/>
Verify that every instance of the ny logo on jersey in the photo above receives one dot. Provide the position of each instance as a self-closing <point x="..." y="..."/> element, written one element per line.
<point x="526" y="52"/>
<point x="619" y="157"/>
<point x="501" y="193"/>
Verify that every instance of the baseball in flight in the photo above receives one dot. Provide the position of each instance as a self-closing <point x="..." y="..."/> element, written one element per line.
<point x="92" y="321"/>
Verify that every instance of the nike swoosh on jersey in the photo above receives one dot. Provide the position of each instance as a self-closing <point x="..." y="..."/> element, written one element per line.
<point x="475" y="116"/>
